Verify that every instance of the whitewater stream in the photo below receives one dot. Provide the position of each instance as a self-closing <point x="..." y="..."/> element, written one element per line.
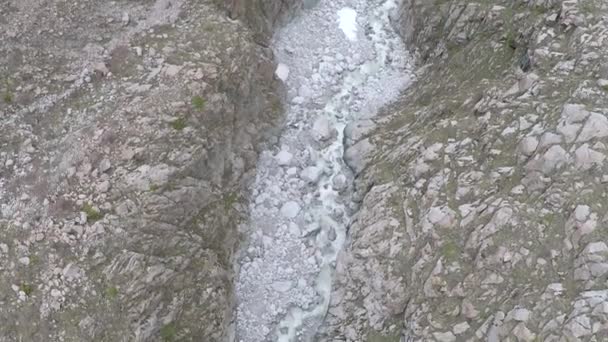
<point x="341" y="60"/>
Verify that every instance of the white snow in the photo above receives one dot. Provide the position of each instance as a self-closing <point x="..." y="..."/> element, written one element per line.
<point x="347" y="19"/>
<point x="282" y="72"/>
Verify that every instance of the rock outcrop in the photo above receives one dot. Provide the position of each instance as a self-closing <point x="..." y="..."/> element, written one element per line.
<point x="483" y="211"/>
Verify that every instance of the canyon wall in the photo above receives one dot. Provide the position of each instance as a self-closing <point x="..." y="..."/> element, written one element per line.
<point x="483" y="203"/>
<point x="127" y="135"/>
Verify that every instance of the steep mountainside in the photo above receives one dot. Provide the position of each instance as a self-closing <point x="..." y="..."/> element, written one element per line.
<point x="127" y="133"/>
<point x="484" y="207"/>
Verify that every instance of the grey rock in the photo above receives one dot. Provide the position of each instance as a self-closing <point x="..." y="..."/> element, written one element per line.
<point x="284" y="158"/>
<point x="596" y="126"/>
<point x="290" y="209"/>
<point x="312" y="174"/>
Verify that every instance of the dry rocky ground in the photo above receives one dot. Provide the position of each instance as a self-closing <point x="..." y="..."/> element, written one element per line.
<point x="129" y="129"/>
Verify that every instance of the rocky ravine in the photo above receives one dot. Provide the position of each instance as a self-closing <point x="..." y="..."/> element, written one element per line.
<point x="340" y="60"/>
<point x="129" y="133"/>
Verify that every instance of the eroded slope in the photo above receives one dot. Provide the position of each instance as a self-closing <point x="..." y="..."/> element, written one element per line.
<point x="127" y="133"/>
<point x="484" y="207"/>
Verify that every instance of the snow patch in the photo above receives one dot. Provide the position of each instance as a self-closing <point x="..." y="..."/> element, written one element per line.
<point x="282" y="72"/>
<point x="347" y="19"/>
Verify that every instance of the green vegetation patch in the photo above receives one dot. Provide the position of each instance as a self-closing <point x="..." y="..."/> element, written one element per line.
<point x="198" y="103"/>
<point x="168" y="333"/>
<point x="26" y="288"/>
<point x="8" y="98"/>
<point x="112" y="292"/>
<point x="93" y="215"/>
<point x="178" y="124"/>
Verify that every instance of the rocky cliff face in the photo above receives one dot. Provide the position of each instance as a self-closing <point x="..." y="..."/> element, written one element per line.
<point x="483" y="207"/>
<point x="127" y="133"/>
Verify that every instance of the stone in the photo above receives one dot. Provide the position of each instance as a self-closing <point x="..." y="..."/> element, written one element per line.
<point x="554" y="158"/>
<point x="284" y="158"/>
<point x="460" y="328"/>
<point x="528" y="146"/>
<point x="171" y="70"/>
<point x="311" y="174"/>
<point x="101" y="68"/>
<point x="581" y="212"/>
<point x="520" y="314"/>
<point x="523" y="333"/>
<point x="586" y="158"/>
<point x="322" y="130"/>
<point x="71" y="272"/>
<point x="574" y="113"/>
<point x="442" y="216"/>
<point x="125" y="19"/>
<point x="569" y="131"/>
<point x="596" y="126"/>
<point x="596" y="247"/>
<point x="339" y="182"/>
<point x="444" y="336"/>
<point x="579" y="326"/>
<point x="290" y="209"/>
<point x="282" y="286"/>
<point x="103" y="187"/>
<point x="469" y="311"/>
<point x="305" y="92"/>
<point x="549" y="139"/>
<point x="358" y="155"/>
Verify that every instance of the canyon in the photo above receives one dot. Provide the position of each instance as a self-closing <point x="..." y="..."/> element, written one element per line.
<point x="264" y="170"/>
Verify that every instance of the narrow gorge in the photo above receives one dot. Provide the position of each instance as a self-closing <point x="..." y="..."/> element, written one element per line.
<point x="303" y="170"/>
<point x="341" y="62"/>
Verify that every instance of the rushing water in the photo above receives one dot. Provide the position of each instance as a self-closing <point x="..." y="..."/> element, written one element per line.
<point x="340" y="60"/>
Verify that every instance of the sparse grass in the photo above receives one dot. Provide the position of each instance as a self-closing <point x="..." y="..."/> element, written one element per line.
<point x="450" y="251"/>
<point x="112" y="292"/>
<point x="92" y="214"/>
<point x="168" y="333"/>
<point x="605" y="88"/>
<point x="178" y="124"/>
<point x="510" y="40"/>
<point x="26" y="288"/>
<point x="377" y="337"/>
<point x="8" y="98"/>
<point x="229" y="200"/>
<point x="34" y="260"/>
<point x="198" y="103"/>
